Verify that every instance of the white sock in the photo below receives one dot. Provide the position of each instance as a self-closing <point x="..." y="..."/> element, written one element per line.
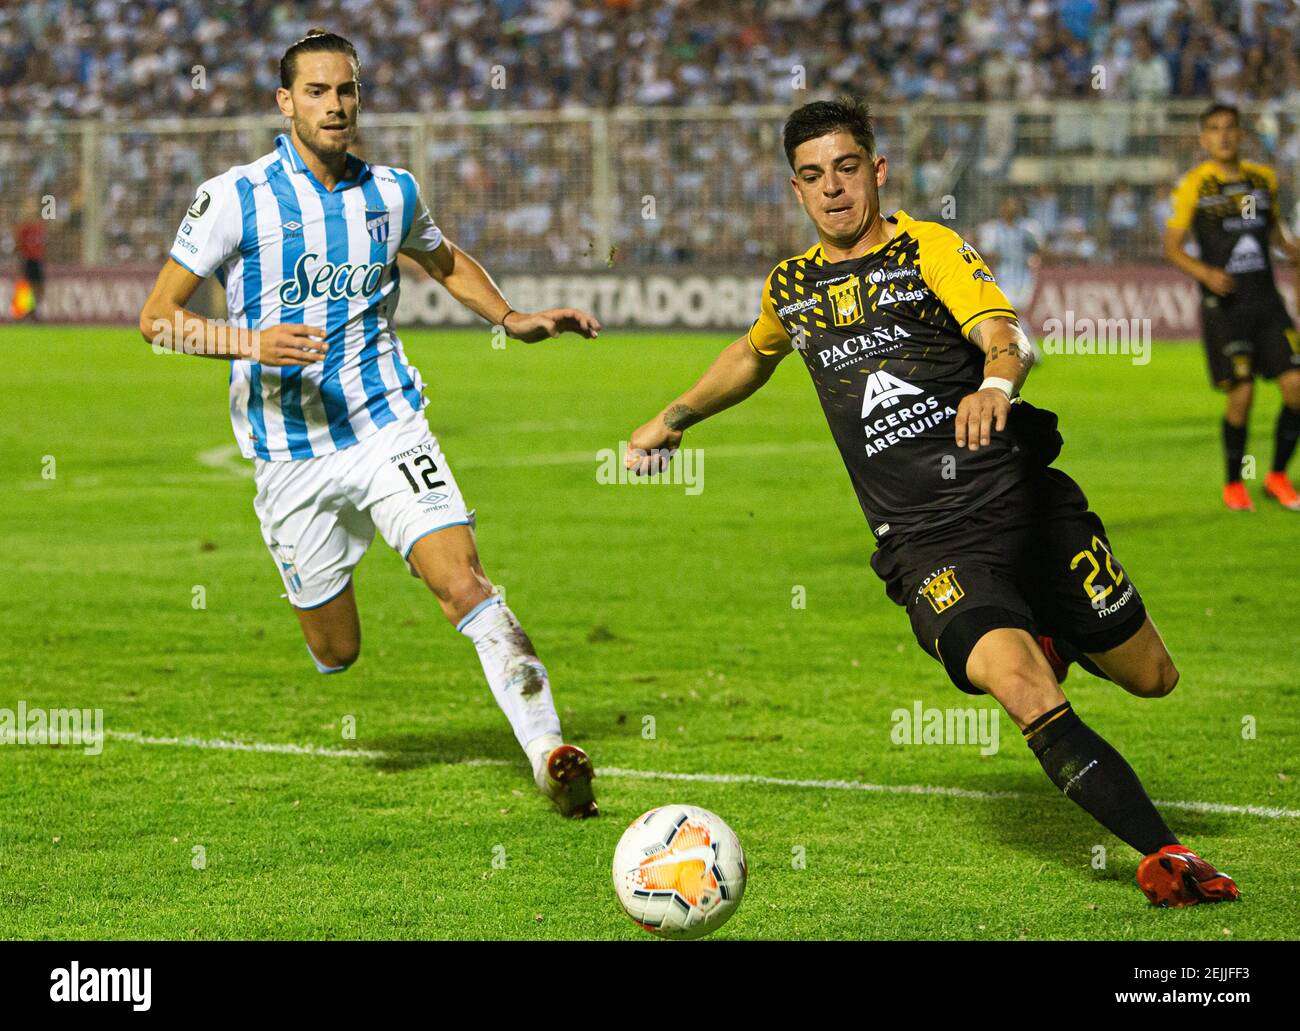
<point x="517" y="677"/>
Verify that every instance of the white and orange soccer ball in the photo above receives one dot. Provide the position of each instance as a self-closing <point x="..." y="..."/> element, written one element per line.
<point x="679" y="871"/>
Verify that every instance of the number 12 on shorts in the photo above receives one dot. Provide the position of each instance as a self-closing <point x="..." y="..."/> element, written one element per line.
<point x="427" y="468"/>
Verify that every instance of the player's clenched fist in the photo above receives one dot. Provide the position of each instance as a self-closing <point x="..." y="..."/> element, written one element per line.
<point x="979" y="414"/>
<point x="288" y="344"/>
<point x="652" y="447"/>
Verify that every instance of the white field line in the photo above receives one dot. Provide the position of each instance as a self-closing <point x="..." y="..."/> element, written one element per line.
<point x="279" y="749"/>
<point x="225" y="462"/>
<point x="1268" y="812"/>
<point x="227" y="458"/>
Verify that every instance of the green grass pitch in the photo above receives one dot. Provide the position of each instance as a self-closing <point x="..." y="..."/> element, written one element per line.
<point x="644" y="601"/>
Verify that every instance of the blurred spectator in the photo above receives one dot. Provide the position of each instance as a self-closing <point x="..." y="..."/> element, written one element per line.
<point x="1010" y="244"/>
<point x="1044" y="210"/>
<point x="1150" y="72"/>
<point x="1122" y="220"/>
<point x="29" y="242"/>
<point x="1162" y="207"/>
<point x="1075" y="243"/>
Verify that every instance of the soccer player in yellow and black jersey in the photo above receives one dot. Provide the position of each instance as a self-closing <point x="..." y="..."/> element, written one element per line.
<point x="1230" y="207"/>
<point x="1006" y="576"/>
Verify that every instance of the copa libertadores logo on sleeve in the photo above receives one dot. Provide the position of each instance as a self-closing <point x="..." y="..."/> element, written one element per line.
<point x="200" y="205"/>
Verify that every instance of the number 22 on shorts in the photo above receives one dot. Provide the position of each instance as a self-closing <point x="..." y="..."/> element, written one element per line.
<point x="1095" y="593"/>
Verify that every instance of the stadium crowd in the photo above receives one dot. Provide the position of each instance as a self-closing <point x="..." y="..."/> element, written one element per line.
<point x="107" y="58"/>
<point x="110" y="60"/>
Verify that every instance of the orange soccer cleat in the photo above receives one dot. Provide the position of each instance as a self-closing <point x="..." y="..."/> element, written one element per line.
<point x="1176" y="876"/>
<point x="1236" y="497"/>
<point x="1278" y="487"/>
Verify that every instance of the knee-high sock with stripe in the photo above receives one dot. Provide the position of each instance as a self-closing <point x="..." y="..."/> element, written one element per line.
<point x="1091" y="774"/>
<point x="516" y="675"/>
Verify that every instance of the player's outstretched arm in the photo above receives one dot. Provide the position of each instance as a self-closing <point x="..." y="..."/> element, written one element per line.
<point x="1007" y="359"/>
<point x="468" y="282"/>
<point x="165" y="322"/>
<point x="735" y="374"/>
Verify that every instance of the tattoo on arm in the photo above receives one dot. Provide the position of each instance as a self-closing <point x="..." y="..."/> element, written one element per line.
<point x="1017" y="347"/>
<point x="1014" y="348"/>
<point x="679" y="417"/>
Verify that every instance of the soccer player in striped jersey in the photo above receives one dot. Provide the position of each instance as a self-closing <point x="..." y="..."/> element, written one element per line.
<point x="1230" y="206"/>
<point x="323" y="399"/>
<point x="1006" y="576"/>
<point x="1010" y="245"/>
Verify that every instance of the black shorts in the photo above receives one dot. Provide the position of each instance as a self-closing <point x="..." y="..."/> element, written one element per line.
<point x="1034" y="558"/>
<point x="1248" y="336"/>
<point x="33" y="271"/>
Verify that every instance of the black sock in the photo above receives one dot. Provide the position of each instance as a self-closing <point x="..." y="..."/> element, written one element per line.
<point x="1234" y="449"/>
<point x="1285" y="437"/>
<point x="1095" y="777"/>
<point x="1070" y="653"/>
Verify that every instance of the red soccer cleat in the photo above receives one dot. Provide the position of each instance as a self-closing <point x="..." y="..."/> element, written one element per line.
<point x="1278" y="487"/>
<point x="1236" y="497"/>
<point x="1059" y="666"/>
<point x="1176" y="876"/>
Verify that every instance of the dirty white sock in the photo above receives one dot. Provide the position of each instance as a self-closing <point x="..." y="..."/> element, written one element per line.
<point x="517" y="677"/>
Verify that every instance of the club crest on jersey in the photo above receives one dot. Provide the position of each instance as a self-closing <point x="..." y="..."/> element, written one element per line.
<point x="885" y="391"/>
<point x="846" y="301"/>
<point x="377" y="225"/>
<point x="942" y="590"/>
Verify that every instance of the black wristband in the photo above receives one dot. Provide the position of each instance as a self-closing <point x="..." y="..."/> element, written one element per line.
<point x="502" y="322"/>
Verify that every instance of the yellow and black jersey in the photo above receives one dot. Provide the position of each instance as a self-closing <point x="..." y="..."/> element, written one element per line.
<point x="884" y="339"/>
<point x="1231" y="218"/>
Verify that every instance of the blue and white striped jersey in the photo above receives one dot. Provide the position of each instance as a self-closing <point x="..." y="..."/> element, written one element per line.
<point x="288" y="250"/>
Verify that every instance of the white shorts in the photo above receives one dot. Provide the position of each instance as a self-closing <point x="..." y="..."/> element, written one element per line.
<point x="319" y="514"/>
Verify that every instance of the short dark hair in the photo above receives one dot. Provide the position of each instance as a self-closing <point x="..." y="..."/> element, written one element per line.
<point x="1218" y="108"/>
<point x="317" y="41"/>
<point x="822" y="117"/>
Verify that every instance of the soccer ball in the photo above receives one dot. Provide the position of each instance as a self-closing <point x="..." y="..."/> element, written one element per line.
<point x="679" y="871"/>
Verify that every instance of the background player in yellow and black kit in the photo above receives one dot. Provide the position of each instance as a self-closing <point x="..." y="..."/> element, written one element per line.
<point x="916" y="355"/>
<point x="1230" y="207"/>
